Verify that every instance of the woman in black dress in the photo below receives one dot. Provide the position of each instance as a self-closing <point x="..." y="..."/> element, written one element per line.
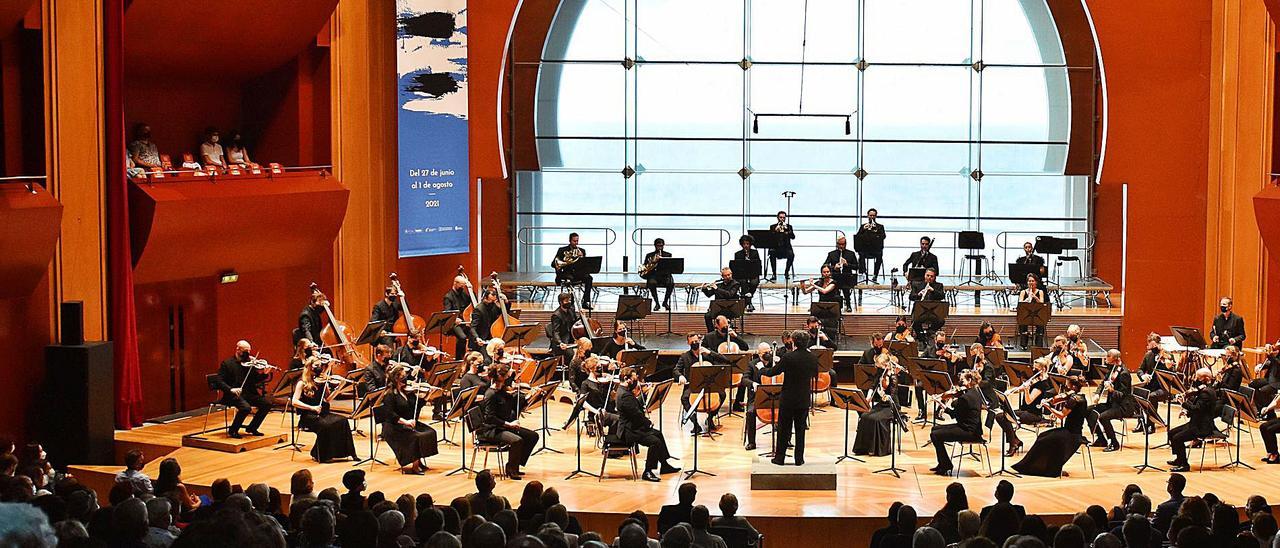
<point x="333" y="434"/>
<point x="593" y="394"/>
<point x="412" y="441"/>
<point x="1055" y="446"/>
<point x="1033" y="392"/>
<point x="500" y="415"/>
<point x="875" y="427"/>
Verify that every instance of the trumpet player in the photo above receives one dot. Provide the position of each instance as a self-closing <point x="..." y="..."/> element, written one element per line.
<point x="783" y="251"/>
<point x="843" y="263"/>
<point x="726" y="288"/>
<point x="1198" y="403"/>
<point x="870" y="239"/>
<point x="1117" y="390"/>
<point x="565" y="256"/>
<point x="654" y="280"/>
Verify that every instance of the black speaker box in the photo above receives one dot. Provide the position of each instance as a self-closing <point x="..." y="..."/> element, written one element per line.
<point x="72" y="319"/>
<point x="76" y="423"/>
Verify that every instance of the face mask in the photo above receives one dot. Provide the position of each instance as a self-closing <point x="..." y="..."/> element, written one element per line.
<point x="146" y="135"/>
<point x="244" y="356"/>
<point x="901" y="328"/>
<point x="693" y="347"/>
<point x="1224" y="309"/>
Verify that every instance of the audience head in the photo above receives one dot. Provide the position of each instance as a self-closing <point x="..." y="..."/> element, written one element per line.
<point x="631" y="535"/>
<point x="258" y="494"/>
<point x="680" y="536"/>
<point x="1263" y="526"/>
<point x="390" y="525"/>
<point x="1136" y="531"/>
<point x="927" y="537"/>
<point x="486" y="534"/>
<point x="906" y="520"/>
<point x="508" y="521"/>
<point x="469" y="526"/>
<point x="967" y="524"/>
<point x="159" y="512"/>
<point x="353" y="480"/>
<point x="441" y="539"/>
<point x="220" y="489"/>
<point x="129" y="520"/>
<point x="1177" y="482"/>
<point x="687" y="492"/>
<point x="317" y="526"/>
<point x="1193" y="537"/>
<point x="485" y="482"/>
<point x="729" y="505"/>
<point x="956" y="498"/>
<point x="429" y="521"/>
<point x="1107" y="540"/>
<point x="1002" y="522"/>
<point x="700" y="517"/>
<point x="24" y="525"/>
<point x="1069" y="536"/>
<point x="1196" y="510"/>
<point x="301" y="483"/>
<point x="1139" y="504"/>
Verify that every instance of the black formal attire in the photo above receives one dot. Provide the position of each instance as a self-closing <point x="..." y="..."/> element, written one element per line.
<point x="1231" y="379"/>
<point x="722" y="290"/>
<point x="563" y="277"/>
<point x="470" y="379"/>
<point x="924" y="291"/>
<point x="1031" y="412"/>
<point x="966" y="408"/>
<point x="635" y="429"/>
<point x="987" y="385"/>
<point x="845" y="276"/>
<point x="800" y="367"/>
<point x="654" y="279"/>
<point x="233" y="374"/>
<point x="408" y="443"/>
<point x="715" y="338"/>
<point x="1035" y="261"/>
<point x="1226" y="328"/>
<point x="750" y="379"/>
<point x="464" y="337"/>
<point x="388" y="312"/>
<point x="921" y="259"/>
<point x="560" y="329"/>
<point x="375" y="376"/>
<point x="1150" y="363"/>
<point x="482" y="319"/>
<point x="1269" y="429"/>
<point x="333" y="433"/>
<point x="684" y="366"/>
<point x="499" y="408"/>
<point x="1267" y="384"/>
<point x="611" y="348"/>
<point x="875" y="427"/>
<point x="784" y="250"/>
<point x="870" y="240"/>
<point x="1054" y="447"/>
<point x="595" y="393"/>
<point x="1200" y="406"/>
<point x="1120" y="405"/>
<point x="309" y="324"/>
<point x="749" y="285"/>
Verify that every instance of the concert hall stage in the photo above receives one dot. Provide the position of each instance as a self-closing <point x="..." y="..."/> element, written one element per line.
<point x="852" y="511"/>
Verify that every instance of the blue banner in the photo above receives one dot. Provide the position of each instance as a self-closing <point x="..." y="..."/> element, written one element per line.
<point x="434" y="184"/>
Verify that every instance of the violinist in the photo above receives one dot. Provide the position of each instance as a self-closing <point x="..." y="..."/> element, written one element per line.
<point x="763" y="358"/>
<point x="560" y="327"/>
<point x="1033" y="392"/>
<point x="309" y="320"/>
<point x="698" y="353"/>
<point x="964" y="403"/>
<point x="1117" y="388"/>
<point x="1267" y="383"/>
<point x="902" y="331"/>
<point x="459" y="298"/>
<point x="1152" y="360"/>
<point x="593" y="395"/>
<point x="577" y="364"/>
<point x="500" y="416"/>
<point x="635" y="428"/>
<point x="996" y="411"/>
<point x="565" y="256"/>
<point x="928" y="289"/>
<point x="878" y="347"/>
<point x="751" y="254"/>
<point x="875" y="430"/>
<point x="842" y="263"/>
<point x="1269" y="429"/>
<point x="1227" y="328"/>
<point x="375" y="375"/>
<point x="654" y="280"/>
<point x="784" y="250"/>
<point x="987" y="335"/>
<point x="475" y="375"/>
<point x="1055" y="446"/>
<point x="1198" y="403"/>
<point x="1230" y="377"/>
<point x="387" y="310"/>
<point x="302" y="349"/>
<point x="333" y="433"/>
<point x="240" y="382"/>
<point x="725" y="288"/>
<point x="954" y="357"/>
<point x="820" y="334"/>
<point x="1064" y="361"/>
<point x="871" y="238"/>
<point x="621" y="341"/>
<point x="410" y="440"/>
<point x="723" y="333"/>
<point x="487" y="312"/>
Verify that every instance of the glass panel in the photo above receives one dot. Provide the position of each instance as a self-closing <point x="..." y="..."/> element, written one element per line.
<point x="679" y="194"/>
<point x="1031" y="159"/>
<point x="1025" y="104"/>
<point x="804" y="157"/>
<point x="918" y="31"/>
<point x="555" y="201"/>
<point x="949" y="158"/>
<point x="1019" y="32"/>
<point x="581" y="100"/>
<point x="778" y="31"/>
<point x="656" y="154"/>
<point x="917" y="103"/>
<point x="586" y="30"/>
<point x="828" y="90"/>
<point x="688" y="100"/>
<point x="681" y="30"/>
<point x="576" y="154"/>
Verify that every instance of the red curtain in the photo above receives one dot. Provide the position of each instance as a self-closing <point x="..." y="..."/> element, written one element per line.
<point x="123" y="316"/>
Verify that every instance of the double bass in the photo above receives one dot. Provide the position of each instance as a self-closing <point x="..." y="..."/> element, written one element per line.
<point x="407" y="322"/>
<point x="467" y="312"/>
<point x="504" y="321"/>
<point x="584" y="327"/>
<point x="337" y="336"/>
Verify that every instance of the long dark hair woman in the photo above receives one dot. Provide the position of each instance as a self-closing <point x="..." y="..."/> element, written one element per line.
<point x="410" y="440"/>
<point x="333" y="433"/>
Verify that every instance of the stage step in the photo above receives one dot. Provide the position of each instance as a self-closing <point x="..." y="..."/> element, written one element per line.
<point x="219" y="441"/>
<point x="817" y="474"/>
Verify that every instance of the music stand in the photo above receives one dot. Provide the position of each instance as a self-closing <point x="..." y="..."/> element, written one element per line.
<point x="656" y="397"/>
<point x="935" y="382"/>
<point x="632" y="308"/>
<point x="731" y="309"/>
<point x="582" y="268"/>
<point x="539" y="396"/>
<point x="440" y="322"/>
<point x="1153" y="418"/>
<point x="644" y="362"/>
<point x="1173" y="385"/>
<point x="364" y="408"/>
<point x="705" y="379"/>
<point x="284" y="387"/>
<point x="1002" y="403"/>
<point x="864" y="376"/>
<point x="932" y="313"/>
<point x="1038" y="352"/>
<point x="849" y="399"/>
<point x="826" y="311"/>
<point x="1244" y="410"/>
<point x="1189" y="337"/>
<point x="1018" y="273"/>
<point x="915" y="274"/>
<point x="904" y="349"/>
<point x="1017" y="372"/>
<point x="577" y="445"/>
<point x="372" y="332"/>
<point x="739" y="364"/>
<point x="669" y="266"/>
<point x="767" y="395"/>
<point x="1034" y="317"/>
<point x="767" y="240"/>
<point x="747" y="270"/>
<point x="462" y="403"/>
<point x="521" y="334"/>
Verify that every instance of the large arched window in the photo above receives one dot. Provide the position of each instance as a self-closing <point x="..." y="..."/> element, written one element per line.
<point x="688" y="120"/>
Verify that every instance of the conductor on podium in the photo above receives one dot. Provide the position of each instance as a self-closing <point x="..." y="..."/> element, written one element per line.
<point x="800" y="367"/>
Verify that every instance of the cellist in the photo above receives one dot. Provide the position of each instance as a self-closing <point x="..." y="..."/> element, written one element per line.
<point x="487" y="312"/>
<point x="763" y="358"/>
<point x="696" y="354"/>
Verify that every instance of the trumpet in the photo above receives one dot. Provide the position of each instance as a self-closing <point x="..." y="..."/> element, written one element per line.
<point x="781" y="228"/>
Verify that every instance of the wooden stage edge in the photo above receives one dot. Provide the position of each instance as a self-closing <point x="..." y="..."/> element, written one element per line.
<point x="855" y="509"/>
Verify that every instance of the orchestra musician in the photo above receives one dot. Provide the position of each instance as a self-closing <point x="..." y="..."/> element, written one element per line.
<point x="878" y="347"/>
<point x="302" y="349"/>
<point x="700" y="353"/>
<point x="928" y="289"/>
<point x="1229" y="377"/>
<point x="459" y="298"/>
<point x="333" y="433"/>
<point x="764" y="357"/>
<point x="725" y="288"/>
<point x="565" y="256"/>
<point x="784" y="250"/>
<point x="636" y="429"/>
<point x="240" y="382"/>
<point x="1029" y="257"/>
<point x="825" y="287"/>
<point x="500" y="416"/>
<point x="1267" y="382"/>
<point x="902" y="331"/>
<point x="964" y="403"/>
<point x="875" y="430"/>
<point x="309" y="320"/>
<point x="1117" y="387"/>
<point x="748" y="253"/>
<point x="1198" y="403"/>
<point x="388" y="310"/>
<point x="820" y="334"/>
<point x="482" y="318"/>
<point x="410" y="440"/>
<point x="843" y="264"/>
<point x="577" y="364"/>
<point x="375" y="374"/>
<point x="1033" y="392"/>
<point x="653" y="280"/>
<point x="1269" y="428"/>
<point x="620" y="341"/>
<point x="799" y="367"/>
<point x="871" y="236"/>
<point x="924" y="258"/>
<point x="996" y="412"/>
<point x="1228" y="327"/>
<point x="594" y="395"/>
<point x="475" y="374"/>
<point x="1031" y="293"/>
<point x="560" y="327"/>
<point x="1055" y="446"/>
<point x="722" y="333"/>
<point x="1152" y="360"/>
<point x="987" y="335"/>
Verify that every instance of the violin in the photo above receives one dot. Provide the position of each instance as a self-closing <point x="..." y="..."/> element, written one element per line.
<point x="945" y="398"/>
<point x="1057" y="401"/>
<point x="407" y="322"/>
<point x="337" y="335"/>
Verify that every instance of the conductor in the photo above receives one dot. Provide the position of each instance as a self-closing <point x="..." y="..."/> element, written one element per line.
<point x="800" y="366"/>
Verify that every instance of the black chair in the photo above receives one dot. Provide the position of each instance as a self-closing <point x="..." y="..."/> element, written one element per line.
<point x="738" y="537"/>
<point x="211" y="380"/>
<point x="475" y="418"/>
<point x="1218" y="437"/>
<point x="612" y="445"/>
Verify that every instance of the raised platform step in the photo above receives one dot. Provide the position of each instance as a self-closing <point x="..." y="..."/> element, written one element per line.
<point x="817" y="474"/>
<point x="219" y="441"/>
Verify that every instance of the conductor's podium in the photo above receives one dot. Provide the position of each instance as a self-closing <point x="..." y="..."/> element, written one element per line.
<point x="817" y="474"/>
<point x="196" y="226"/>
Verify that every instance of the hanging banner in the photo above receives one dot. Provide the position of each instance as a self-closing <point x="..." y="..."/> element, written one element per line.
<point x="434" y="183"/>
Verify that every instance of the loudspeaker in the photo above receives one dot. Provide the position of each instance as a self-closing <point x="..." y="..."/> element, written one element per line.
<point x="72" y="323"/>
<point x="77" y="408"/>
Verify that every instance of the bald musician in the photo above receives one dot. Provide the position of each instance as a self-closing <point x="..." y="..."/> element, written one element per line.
<point x="459" y="298"/>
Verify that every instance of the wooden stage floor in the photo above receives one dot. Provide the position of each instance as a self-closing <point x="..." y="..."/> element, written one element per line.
<point x="862" y="497"/>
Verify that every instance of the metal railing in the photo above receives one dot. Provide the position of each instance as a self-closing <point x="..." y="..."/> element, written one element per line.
<point x="637" y="238"/>
<point x="1090" y="240"/>
<point x="522" y="238"/>
<point x="28" y="181"/>
<point x="185" y="175"/>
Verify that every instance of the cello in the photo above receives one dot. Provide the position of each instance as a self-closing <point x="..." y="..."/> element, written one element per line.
<point x="407" y="322"/>
<point x="584" y="327"/>
<point x="337" y="336"/>
<point x="769" y="415"/>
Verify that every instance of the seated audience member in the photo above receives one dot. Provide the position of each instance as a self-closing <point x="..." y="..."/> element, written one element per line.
<point x="132" y="473"/>
<point x="672" y="514"/>
<point x="353" y="500"/>
<point x="905" y="531"/>
<point x="141" y="150"/>
<point x="160" y="531"/>
<point x="632" y="535"/>
<point x="699" y="521"/>
<point x="484" y="502"/>
<point x="927" y="537"/>
<point x="729" y="516"/>
<point x="302" y="486"/>
<point x="889" y="529"/>
<point x="1004" y="495"/>
<point x="237" y="154"/>
<point x="211" y="153"/>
